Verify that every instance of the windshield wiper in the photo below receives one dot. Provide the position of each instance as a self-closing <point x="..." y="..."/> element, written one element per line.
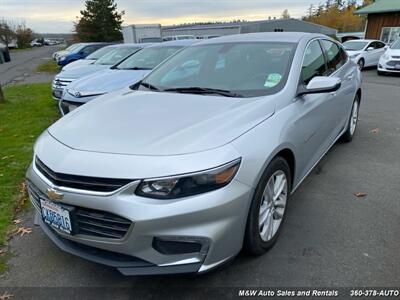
<point x="200" y="90"/>
<point x="136" y="68"/>
<point x="149" y="86"/>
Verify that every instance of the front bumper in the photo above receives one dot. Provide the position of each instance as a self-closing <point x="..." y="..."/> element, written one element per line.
<point x="216" y="220"/>
<point x="390" y="66"/>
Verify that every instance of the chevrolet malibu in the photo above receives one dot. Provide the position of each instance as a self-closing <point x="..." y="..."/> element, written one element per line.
<point x="198" y="160"/>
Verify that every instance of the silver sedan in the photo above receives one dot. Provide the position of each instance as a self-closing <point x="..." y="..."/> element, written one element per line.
<point x="182" y="170"/>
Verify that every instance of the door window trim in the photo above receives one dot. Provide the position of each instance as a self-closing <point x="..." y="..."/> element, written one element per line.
<point x="319" y="39"/>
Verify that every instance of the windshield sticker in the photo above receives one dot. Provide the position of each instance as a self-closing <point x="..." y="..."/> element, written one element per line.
<point x="272" y="80"/>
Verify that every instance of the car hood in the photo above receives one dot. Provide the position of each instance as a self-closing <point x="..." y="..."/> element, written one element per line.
<point x="81" y="71"/>
<point x="78" y="63"/>
<point x="351" y="53"/>
<point x="107" y="80"/>
<point x="393" y="52"/>
<point x="151" y="123"/>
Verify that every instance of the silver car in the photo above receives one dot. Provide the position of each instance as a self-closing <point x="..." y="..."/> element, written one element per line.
<point x="197" y="161"/>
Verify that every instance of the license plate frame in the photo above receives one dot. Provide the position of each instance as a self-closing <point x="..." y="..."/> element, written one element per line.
<point x="56" y="216"/>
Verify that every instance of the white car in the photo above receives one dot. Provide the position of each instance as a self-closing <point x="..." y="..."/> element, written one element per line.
<point x="365" y="53"/>
<point x="390" y="60"/>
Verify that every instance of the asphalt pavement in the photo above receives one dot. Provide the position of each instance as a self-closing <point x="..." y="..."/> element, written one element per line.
<point x="331" y="238"/>
<point x="22" y="68"/>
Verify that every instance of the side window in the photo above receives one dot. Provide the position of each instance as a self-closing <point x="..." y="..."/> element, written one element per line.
<point x="89" y="49"/>
<point x="313" y="64"/>
<point x="334" y="56"/>
<point x="371" y="45"/>
<point x="380" y="45"/>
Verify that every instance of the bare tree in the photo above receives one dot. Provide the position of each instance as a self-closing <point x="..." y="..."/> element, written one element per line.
<point x="7" y="32"/>
<point x="285" y="14"/>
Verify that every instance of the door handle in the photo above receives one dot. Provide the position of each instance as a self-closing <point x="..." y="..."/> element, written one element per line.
<point x="350" y="77"/>
<point x="333" y="94"/>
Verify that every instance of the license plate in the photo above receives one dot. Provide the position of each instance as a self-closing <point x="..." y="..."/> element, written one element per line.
<point x="397" y="67"/>
<point x="56" y="216"/>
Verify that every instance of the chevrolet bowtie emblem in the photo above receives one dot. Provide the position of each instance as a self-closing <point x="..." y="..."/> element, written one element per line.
<point x="53" y="194"/>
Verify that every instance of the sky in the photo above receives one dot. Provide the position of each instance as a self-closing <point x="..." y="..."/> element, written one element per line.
<point x="57" y="16"/>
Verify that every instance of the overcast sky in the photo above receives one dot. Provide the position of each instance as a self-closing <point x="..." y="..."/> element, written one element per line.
<point x="57" y="16"/>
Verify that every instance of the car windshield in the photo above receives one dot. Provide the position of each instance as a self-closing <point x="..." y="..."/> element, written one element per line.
<point x="396" y="45"/>
<point x="99" y="53"/>
<point x="72" y="47"/>
<point x="247" y="69"/>
<point x="148" y="58"/>
<point x="354" y="46"/>
<point x="116" y="55"/>
<point x="78" y="48"/>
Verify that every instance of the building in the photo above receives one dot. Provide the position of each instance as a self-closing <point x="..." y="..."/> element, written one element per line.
<point x="383" y="20"/>
<point x="220" y="29"/>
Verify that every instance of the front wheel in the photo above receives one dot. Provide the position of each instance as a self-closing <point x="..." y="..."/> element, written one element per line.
<point x="268" y="207"/>
<point x="353" y="121"/>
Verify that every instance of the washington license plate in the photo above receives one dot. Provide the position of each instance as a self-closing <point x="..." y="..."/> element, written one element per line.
<point x="56" y="216"/>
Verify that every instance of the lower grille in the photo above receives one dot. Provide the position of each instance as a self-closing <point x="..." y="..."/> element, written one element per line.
<point x="85" y="221"/>
<point x="67" y="106"/>
<point x="393" y="63"/>
<point x="101" y="224"/>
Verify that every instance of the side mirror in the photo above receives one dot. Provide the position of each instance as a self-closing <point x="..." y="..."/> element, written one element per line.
<point x="319" y="85"/>
<point x="370" y="48"/>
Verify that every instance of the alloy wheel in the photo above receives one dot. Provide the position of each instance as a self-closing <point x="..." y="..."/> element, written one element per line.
<point x="273" y="204"/>
<point x="354" y="118"/>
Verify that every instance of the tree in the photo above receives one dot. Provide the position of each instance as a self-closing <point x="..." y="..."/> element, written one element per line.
<point x="7" y="32"/>
<point x="285" y="14"/>
<point x="24" y="35"/>
<point x="337" y="14"/>
<point x="99" y="22"/>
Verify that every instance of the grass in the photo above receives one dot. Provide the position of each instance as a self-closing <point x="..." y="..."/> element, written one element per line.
<point x="27" y="111"/>
<point x="49" y="66"/>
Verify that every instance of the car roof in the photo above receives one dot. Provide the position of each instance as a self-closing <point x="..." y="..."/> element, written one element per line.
<point x="363" y="40"/>
<point x="290" y="37"/>
<point x="182" y="43"/>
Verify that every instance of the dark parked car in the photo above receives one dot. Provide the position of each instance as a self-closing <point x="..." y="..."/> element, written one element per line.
<point x="4" y="55"/>
<point x="80" y="52"/>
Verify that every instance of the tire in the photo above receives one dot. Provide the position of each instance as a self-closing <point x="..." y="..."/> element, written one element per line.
<point x="361" y="63"/>
<point x="350" y="131"/>
<point x="254" y="243"/>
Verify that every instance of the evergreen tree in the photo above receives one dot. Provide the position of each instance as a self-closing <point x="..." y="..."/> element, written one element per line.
<point x="100" y="22"/>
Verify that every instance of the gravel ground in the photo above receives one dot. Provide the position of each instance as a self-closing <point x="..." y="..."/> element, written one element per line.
<point x="331" y="238"/>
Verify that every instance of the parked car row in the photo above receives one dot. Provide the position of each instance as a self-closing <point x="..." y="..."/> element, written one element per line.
<point x="188" y="151"/>
<point x="371" y="53"/>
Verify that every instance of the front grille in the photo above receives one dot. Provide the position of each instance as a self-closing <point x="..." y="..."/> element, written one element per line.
<point x="86" y="221"/>
<point x="97" y="184"/>
<point x="396" y="57"/>
<point x="393" y="63"/>
<point x="61" y="82"/>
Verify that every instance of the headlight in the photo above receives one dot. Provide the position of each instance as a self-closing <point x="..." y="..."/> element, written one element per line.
<point x="62" y="58"/>
<point x="385" y="56"/>
<point x="189" y="184"/>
